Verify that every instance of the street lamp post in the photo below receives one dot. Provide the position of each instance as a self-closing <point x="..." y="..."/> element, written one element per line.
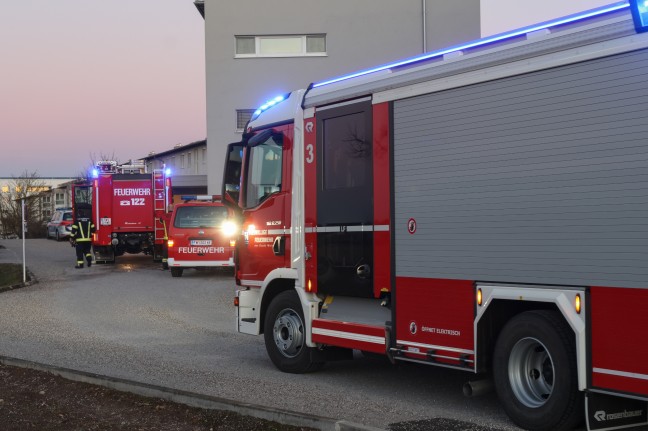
<point x="24" y="229"/>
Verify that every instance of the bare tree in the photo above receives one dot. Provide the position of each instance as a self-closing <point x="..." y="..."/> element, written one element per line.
<point x="30" y="188"/>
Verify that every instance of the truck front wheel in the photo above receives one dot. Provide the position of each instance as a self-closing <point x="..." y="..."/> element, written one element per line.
<point x="534" y="369"/>
<point x="285" y="335"/>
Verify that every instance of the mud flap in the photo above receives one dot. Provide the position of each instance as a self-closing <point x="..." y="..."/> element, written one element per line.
<point x="606" y="412"/>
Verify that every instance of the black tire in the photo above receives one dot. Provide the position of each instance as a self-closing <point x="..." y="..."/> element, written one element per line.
<point x="176" y="272"/>
<point x="285" y="337"/>
<point x="535" y="374"/>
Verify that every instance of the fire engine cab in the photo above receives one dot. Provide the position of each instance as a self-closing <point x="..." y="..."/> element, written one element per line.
<point x="200" y="234"/>
<point x="482" y="208"/>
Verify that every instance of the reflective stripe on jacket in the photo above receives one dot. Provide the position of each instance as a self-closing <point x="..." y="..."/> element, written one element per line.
<point x="82" y="230"/>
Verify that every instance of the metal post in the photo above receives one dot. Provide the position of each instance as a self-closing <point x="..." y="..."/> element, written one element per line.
<point x="424" y="16"/>
<point x="22" y="220"/>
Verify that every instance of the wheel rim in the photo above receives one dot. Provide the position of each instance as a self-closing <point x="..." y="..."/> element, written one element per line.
<point x="531" y="372"/>
<point x="288" y="333"/>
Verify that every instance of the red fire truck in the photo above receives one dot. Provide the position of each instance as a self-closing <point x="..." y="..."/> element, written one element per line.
<point x="201" y="231"/>
<point x="482" y="208"/>
<point x="127" y="205"/>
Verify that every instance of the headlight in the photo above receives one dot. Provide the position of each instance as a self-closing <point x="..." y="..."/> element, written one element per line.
<point x="229" y="228"/>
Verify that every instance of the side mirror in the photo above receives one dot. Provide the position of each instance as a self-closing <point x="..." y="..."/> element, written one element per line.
<point x="232" y="174"/>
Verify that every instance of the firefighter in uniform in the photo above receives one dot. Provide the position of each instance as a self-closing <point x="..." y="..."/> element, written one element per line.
<point x="81" y="237"/>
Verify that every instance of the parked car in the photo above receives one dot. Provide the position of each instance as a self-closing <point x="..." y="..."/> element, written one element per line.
<point x="60" y="226"/>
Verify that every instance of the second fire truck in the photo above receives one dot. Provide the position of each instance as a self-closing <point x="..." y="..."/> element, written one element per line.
<point x="128" y="205"/>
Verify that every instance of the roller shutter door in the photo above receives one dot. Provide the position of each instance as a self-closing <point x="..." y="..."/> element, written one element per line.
<point x="538" y="178"/>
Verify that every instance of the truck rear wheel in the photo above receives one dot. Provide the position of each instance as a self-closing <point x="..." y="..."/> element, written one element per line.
<point x="176" y="272"/>
<point x="285" y="335"/>
<point x="534" y="369"/>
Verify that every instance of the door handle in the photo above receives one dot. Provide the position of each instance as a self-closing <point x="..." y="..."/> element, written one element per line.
<point x="279" y="246"/>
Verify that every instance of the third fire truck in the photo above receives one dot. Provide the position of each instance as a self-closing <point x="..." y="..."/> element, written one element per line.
<point x="482" y="208"/>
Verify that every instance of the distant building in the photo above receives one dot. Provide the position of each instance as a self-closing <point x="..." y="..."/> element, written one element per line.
<point x="46" y="194"/>
<point x="188" y="167"/>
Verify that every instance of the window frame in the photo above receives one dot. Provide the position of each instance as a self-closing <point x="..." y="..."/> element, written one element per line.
<point x="304" y="43"/>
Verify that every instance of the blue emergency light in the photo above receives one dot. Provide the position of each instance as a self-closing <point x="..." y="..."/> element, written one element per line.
<point x="639" y="10"/>
<point x="95" y="173"/>
<point x="269" y="104"/>
<point x="167" y="172"/>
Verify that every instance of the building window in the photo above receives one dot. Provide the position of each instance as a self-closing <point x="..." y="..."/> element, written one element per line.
<point x="204" y="155"/>
<point x="182" y="161"/>
<point x="281" y="46"/>
<point x="242" y="118"/>
<point x="188" y="160"/>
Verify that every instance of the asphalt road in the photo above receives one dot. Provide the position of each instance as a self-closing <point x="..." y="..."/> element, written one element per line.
<point x="132" y="320"/>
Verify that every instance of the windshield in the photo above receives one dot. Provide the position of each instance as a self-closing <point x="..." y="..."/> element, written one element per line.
<point x="83" y="195"/>
<point x="263" y="175"/>
<point x="197" y="216"/>
<point x="67" y="216"/>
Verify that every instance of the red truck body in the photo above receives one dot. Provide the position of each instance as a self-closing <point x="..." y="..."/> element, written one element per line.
<point x="481" y="208"/>
<point x="128" y="205"/>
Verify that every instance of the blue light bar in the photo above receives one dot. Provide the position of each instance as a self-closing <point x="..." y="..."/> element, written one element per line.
<point x="496" y="38"/>
<point x="167" y="172"/>
<point x="95" y="173"/>
<point x="270" y="104"/>
<point x="639" y="10"/>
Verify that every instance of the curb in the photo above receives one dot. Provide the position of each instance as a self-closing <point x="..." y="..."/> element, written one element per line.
<point x="193" y="399"/>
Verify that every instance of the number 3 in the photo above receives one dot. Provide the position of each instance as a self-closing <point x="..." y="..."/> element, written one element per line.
<point x="310" y="157"/>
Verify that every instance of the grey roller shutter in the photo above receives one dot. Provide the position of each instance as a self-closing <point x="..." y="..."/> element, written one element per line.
<point x="538" y="178"/>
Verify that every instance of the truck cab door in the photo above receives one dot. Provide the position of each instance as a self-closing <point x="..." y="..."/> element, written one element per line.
<point x="265" y="203"/>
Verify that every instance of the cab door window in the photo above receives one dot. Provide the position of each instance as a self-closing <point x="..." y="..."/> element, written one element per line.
<point x="263" y="176"/>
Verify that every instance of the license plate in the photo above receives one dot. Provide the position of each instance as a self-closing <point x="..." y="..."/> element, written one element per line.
<point x="200" y="242"/>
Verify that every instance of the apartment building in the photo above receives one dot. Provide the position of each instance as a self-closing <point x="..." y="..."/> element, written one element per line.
<point x="44" y="196"/>
<point x="257" y="50"/>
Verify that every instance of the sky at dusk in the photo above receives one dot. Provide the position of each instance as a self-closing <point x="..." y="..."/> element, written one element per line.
<point x="81" y="79"/>
<point x="498" y="16"/>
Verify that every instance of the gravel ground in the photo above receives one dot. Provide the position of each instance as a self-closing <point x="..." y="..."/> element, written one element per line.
<point x="134" y="321"/>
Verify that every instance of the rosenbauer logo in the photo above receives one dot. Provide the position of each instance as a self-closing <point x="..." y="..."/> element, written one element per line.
<point x="602" y="416"/>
